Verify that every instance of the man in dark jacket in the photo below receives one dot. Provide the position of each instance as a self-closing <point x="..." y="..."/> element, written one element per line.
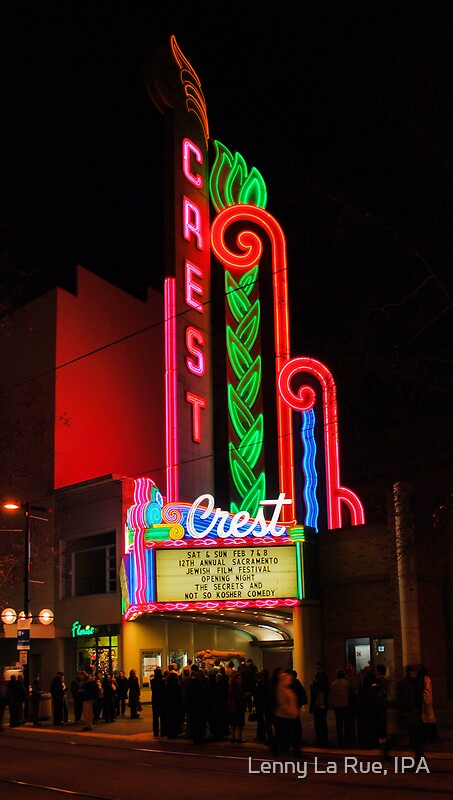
<point x="57" y="691"/>
<point x="88" y="691"/>
<point x="319" y="704"/>
<point x="409" y="702"/>
<point x="36" y="693"/>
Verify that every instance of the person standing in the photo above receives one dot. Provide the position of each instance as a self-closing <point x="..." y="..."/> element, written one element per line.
<point x="340" y="701"/>
<point x="65" y="701"/>
<point x="36" y="693"/>
<point x="157" y="692"/>
<point x="286" y="716"/>
<point x="173" y="707"/>
<point x="219" y="708"/>
<point x="429" y="722"/>
<point x="98" y="696"/>
<point x="355" y="682"/>
<point x="197" y="704"/>
<point x="109" y="692"/>
<point x="57" y="691"/>
<point x="76" y="694"/>
<point x="3" y="696"/>
<point x="381" y="692"/>
<point x="302" y="700"/>
<point x="134" y="694"/>
<point x="88" y="691"/>
<point x="122" y="686"/>
<point x="14" y="700"/>
<point x="409" y="702"/>
<point x="236" y="705"/>
<point x="319" y="700"/>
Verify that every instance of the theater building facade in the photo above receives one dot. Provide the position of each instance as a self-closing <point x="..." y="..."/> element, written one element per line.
<point x="198" y="504"/>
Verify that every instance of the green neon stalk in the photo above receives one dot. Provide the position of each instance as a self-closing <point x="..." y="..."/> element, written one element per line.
<point x="230" y="183"/>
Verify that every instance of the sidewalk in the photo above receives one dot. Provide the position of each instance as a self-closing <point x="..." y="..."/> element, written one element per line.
<point x="141" y="729"/>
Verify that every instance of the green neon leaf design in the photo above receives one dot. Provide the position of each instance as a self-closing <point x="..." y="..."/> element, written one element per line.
<point x="240" y="358"/>
<point x="254" y="190"/>
<point x="240" y="415"/>
<point x="235" y="180"/>
<point x="251" y="501"/>
<point x="249" y="385"/>
<point x="223" y="164"/>
<point x="231" y="182"/>
<point x="251" y="446"/>
<point x="249" y="280"/>
<point x="248" y="328"/>
<point x="237" y="298"/>
<point x="242" y="475"/>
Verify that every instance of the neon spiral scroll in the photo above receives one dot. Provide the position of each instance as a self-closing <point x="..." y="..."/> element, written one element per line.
<point x="304" y="400"/>
<point x="246" y="257"/>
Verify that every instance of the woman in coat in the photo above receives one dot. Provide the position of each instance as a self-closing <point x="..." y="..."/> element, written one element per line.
<point x="236" y="707"/>
<point x="134" y="694"/>
<point x="173" y="708"/>
<point x="157" y="692"/>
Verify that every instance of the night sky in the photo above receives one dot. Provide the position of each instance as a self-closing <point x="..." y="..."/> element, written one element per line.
<point x="345" y="108"/>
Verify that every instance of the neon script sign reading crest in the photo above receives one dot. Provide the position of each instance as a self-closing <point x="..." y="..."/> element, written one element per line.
<point x="223" y="524"/>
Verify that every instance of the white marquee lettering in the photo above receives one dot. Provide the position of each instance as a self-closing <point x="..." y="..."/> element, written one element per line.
<point x="239" y="520"/>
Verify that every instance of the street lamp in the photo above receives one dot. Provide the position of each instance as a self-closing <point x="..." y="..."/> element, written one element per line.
<point x="27" y="508"/>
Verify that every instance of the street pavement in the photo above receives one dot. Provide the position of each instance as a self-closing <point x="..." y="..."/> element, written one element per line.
<point x="141" y="729"/>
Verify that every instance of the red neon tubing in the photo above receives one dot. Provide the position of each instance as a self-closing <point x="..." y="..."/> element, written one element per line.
<point x="303" y="401"/>
<point x="249" y="250"/>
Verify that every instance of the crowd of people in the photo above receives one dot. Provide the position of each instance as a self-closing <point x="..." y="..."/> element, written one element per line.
<point x="360" y="704"/>
<point x="211" y="701"/>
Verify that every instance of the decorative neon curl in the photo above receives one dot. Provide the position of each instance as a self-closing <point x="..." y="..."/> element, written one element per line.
<point x="249" y="250"/>
<point x="171" y="514"/>
<point x="336" y="494"/>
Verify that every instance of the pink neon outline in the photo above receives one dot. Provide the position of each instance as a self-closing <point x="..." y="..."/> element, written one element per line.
<point x="194" y="335"/>
<point x="192" y="227"/>
<point x="148" y="608"/>
<point x="191" y="287"/>
<point x="303" y="401"/>
<point x="197" y="404"/>
<point x="251" y="246"/>
<point x="171" y="391"/>
<point x="136" y="520"/>
<point x="189" y="147"/>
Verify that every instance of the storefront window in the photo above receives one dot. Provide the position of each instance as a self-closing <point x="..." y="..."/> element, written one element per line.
<point x="178" y="657"/>
<point x="150" y="659"/>
<point x="98" y="654"/>
<point x="366" y="652"/>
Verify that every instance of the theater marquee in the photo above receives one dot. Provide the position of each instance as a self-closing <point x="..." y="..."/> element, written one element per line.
<point x="226" y="574"/>
<point x="199" y="557"/>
